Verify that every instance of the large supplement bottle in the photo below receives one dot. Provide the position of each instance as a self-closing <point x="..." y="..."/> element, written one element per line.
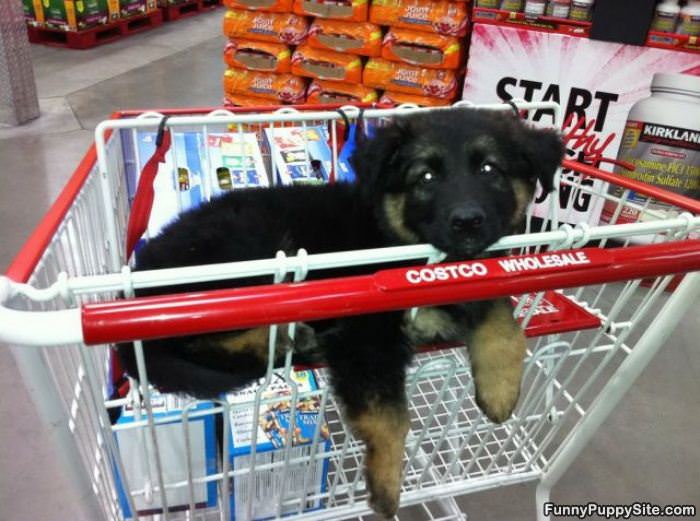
<point x="662" y="140"/>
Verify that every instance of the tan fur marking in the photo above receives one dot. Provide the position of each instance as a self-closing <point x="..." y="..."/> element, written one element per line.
<point x="523" y="196"/>
<point x="253" y="341"/>
<point x="496" y="350"/>
<point x="431" y="325"/>
<point x="383" y="428"/>
<point x="394" y="210"/>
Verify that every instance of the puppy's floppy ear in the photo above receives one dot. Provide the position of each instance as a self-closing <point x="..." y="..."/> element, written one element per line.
<point x="374" y="156"/>
<point x="544" y="151"/>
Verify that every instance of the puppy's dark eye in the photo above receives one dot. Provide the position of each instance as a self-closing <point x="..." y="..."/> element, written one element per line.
<point x="426" y="178"/>
<point x="488" y="168"/>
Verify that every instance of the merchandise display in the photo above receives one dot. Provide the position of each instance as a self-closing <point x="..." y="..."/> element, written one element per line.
<point x="661" y="141"/>
<point x="689" y="19"/>
<point x="596" y="83"/>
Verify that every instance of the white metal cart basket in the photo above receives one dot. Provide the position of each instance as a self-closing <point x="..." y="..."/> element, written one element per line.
<point x="593" y="327"/>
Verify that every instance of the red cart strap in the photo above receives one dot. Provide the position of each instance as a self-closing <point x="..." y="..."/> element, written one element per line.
<point x="143" y="200"/>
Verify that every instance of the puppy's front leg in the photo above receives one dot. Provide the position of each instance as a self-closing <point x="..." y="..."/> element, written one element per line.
<point x="383" y="427"/>
<point x="496" y="350"/>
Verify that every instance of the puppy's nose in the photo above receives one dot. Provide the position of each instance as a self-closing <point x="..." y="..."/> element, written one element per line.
<point x="467" y="219"/>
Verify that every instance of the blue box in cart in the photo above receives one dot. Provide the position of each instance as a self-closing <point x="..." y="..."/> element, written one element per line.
<point x="273" y="424"/>
<point x="138" y="458"/>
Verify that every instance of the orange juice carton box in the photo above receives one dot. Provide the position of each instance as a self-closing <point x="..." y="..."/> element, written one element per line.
<point x="361" y="38"/>
<point x="340" y="93"/>
<point x="399" y="98"/>
<point x="270" y="6"/>
<point x="347" y="10"/>
<point x="400" y="77"/>
<point x="258" y="56"/>
<point x="441" y="16"/>
<point x="286" y="28"/>
<point x="326" y="65"/>
<point x="282" y="88"/>
<point x="429" y="50"/>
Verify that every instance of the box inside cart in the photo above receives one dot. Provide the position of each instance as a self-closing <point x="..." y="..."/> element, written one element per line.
<point x="139" y="460"/>
<point x="273" y="424"/>
<point x="301" y="155"/>
<point x="196" y="168"/>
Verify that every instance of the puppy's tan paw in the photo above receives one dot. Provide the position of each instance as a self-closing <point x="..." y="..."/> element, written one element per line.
<point x="384" y="500"/>
<point x="497" y="401"/>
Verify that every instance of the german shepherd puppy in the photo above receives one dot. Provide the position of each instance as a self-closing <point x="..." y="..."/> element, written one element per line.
<point x="458" y="179"/>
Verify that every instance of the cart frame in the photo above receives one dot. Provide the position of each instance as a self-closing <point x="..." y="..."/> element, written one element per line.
<point x="66" y="310"/>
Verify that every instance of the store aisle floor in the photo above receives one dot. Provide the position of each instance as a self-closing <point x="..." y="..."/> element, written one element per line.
<point x="647" y="451"/>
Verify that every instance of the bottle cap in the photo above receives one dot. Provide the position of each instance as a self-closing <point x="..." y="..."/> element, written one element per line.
<point x="682" y="83"/>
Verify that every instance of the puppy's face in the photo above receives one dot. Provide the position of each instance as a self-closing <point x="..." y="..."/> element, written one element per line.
<point x="458" y="179"/>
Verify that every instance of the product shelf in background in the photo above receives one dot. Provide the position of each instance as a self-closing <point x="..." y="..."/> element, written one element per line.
<point x="673" y="41"/>
<point x="541" y="23"/>
<point x="173" y="12"/>
<point x="94" y="36"/>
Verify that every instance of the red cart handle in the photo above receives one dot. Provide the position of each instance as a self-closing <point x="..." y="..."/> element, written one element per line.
<point x="220" y="310"/>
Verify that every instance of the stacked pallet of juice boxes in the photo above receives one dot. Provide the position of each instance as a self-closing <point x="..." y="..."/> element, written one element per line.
<point x="78" y="15"/>
<point x="347" y="51"/>
<point x="422" y="50"/>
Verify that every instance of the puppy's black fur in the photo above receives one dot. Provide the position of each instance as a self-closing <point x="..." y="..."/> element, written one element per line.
<point x="458" y="179"/>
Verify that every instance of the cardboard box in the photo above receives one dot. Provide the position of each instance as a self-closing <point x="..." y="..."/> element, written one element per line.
<point x="441" y="16"/>
<point x="233" y="99"/>
<point x="399" y="98"/>
<point x="596" y="83"/>
<point x="399" y="77"/>
<point x="76" y="15"/>
<point x="138" y="455"/>
<point x="272" y="426"/>
<point x="258" y="56"/>
<point x="360" y="38"/>
<point x="281" y="88"/>
<point x="433" y="51"/>
<point x="347" y="10"/>
<point x="129" y="8"/>
<point x="235" y="161"/>
<point x="285" y="28"/>
<point x="326" y="65"/>
<point x="269" y="6"/>
<point x="300" y="155"/>
<point x="339" y="93"/>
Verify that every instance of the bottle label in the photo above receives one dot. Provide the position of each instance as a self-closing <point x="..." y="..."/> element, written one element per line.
<point x="664" y="156"/>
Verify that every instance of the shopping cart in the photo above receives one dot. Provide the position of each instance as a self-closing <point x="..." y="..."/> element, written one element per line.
<point x="593" y="326"/>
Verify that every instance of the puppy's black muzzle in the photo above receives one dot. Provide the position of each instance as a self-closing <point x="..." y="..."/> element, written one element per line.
<point x="466" y="220"/>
